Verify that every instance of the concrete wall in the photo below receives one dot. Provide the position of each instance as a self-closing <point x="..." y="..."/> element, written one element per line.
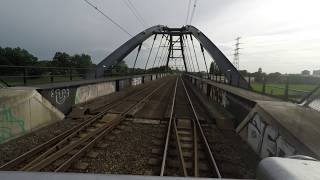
<point x="269" y="126"/>
<point x="89" y="92"/>
<point x="265" y="139"/>
<point x="23" y="111"/>
<point x="237" y="106"/>
<point x="63" y="97"/>
<point x="136" y="81"/>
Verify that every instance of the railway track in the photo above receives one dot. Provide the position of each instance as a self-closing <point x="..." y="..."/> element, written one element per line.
<point x="59" y="153"/>
<point x="186" y="150"/>
<point x="171" y="132"/>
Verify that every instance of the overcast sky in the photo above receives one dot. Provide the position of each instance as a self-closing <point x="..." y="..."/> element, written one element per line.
<point x="277" y="35"/>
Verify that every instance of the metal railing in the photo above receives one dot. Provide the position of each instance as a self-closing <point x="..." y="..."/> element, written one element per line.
<point x="285" y="90"/>
<point x="30" y="75"/>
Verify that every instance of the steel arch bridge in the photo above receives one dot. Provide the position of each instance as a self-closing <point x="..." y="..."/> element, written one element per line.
<point x="224" y="65"/>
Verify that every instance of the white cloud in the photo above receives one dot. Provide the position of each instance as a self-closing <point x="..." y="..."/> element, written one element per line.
<point x="277" y="35"/>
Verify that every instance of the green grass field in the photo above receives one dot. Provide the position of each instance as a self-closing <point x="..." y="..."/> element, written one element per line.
<point x="296" y="91"/>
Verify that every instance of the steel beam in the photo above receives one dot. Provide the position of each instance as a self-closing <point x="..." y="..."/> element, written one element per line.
<point x="120" y="53"/>
<point x="220" y="59"/>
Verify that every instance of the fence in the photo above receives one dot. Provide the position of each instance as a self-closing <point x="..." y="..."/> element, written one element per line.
<point x="29" y="75"/>
<point x="284" y="89"/>
<point x="32" y="75"/>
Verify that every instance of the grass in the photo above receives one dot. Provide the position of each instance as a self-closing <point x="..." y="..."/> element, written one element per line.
<point x="295" y="91"/>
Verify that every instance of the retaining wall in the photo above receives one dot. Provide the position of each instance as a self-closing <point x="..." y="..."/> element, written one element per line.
<point x="23" y="111"/>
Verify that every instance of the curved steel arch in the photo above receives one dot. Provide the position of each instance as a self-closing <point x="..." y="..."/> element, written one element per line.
<point x="120" y="53"/>
<point x="221" y="60"/>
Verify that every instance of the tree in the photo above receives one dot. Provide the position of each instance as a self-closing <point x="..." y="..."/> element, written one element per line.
<point x="213" y="68"/>
<point x="4" y="61"/>
<point x="82" y="61"/>
<point x="275" y="77"/>
<point x="61" y="59"/>
<point x="259" y="75"/>
<point x="16" y="57"/>
<point x="243" y="73"/>
<point x="122" y="67"/>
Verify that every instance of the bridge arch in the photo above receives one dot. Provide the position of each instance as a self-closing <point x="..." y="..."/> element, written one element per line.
<point x="224" y="65"/>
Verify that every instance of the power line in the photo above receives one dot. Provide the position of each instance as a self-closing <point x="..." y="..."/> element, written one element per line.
<point x="137" y="12"/>
<point x="134" y="12"/>
<point x="106" y="16"/>
<point x="188" y="11"/>
<point x="193" y="10"/>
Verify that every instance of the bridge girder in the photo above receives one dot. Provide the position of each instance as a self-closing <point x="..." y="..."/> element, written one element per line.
<point x="225" y="66"/>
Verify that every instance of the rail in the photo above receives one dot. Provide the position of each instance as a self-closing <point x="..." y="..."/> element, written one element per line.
<point x="196" y="127"/>
<point x="45" y="154"/>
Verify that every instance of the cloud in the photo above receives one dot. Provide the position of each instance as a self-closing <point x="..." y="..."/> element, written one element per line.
<point x="276" y="35"/>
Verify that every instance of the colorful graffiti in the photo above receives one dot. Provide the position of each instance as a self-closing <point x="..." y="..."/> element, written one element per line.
<point x="9" y="124"/>
<point x="266" y="140"/>
<point x="60" y="95"/>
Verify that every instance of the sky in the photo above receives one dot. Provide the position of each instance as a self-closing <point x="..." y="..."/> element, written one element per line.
<point x="276" y="35"/>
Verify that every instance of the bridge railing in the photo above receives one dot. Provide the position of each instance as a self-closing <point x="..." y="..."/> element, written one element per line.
<point x="32" y="75"/>
<point x="285" y="89"/>
<point x="291" y="88"/>
<point x="29" y="75"/>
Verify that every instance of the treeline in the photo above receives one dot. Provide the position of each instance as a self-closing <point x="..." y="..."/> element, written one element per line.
<point x="21" y="57"/>
<point x="278" y="78"/>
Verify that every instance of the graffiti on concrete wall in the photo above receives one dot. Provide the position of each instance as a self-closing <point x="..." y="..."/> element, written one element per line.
<point x="136" y="81"/>
<point x="60" y="95"/>
<point x="266" y="140"/>
<point x="61" y="98"/>
<point x="88" y="92"/>
<point x="10" y="125"/>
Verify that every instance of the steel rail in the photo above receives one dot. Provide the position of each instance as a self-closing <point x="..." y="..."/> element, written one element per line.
<point x="203" y="137"/>
<point x="165" y="151"/>
<point x="48" y="144"/>
<point x="67" y="163"/>
<point x="38" y="149"/>
<point x="181" y="158"/>
<point x="195" y="150"/>
<point x="86" y="124"/>
<point x="38" y="165"/>
<point x="65" y="149"/>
